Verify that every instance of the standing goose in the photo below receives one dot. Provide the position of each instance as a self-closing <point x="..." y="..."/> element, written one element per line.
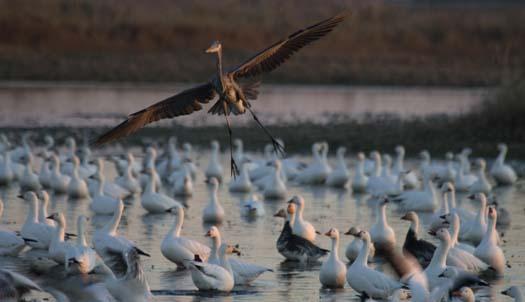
<point x="438" y="263"/>
<point x="155" y="202"/>
<point x="102" y="204"/>
<point x="58" y="182"/>
<point x="333" y="270"/>
<point x="474" y="232"/>
<point x="301" y="227"/>
<point x="178" y="249"/>
<point x="128" y="180"/>
<point x="10" y="243"/>
<point x="241" y="184"/>
<point x="149" y="162"/>
<point x="274" y="186"/>
<point x="503" y="174"/>
<point x="29" y="181"/>
<point x="353" y="248"/>
<point x="213" y="212"/>
<point x="488" y="250"/>
<point x="410" y="179"/>
<point x="233" y="98"/>
<point x="381" y="232"/>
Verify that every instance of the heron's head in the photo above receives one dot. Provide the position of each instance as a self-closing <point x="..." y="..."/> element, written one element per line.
<point x="215" y="47"/>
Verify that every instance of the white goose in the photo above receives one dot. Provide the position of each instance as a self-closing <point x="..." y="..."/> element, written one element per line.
<point x="454" y="221"/>
<point x="149" y="162"/>
<point x="207" y="276"/>
<point x="13" y="286"/>
<point x="39" y="233"/>
<point x="81" y="257"/>
<point x="439" y="260"/>
<point x="513" y="292"/>
<point x="59" y="248"/>
<point x="102" y="204"/>
<point x="410" y="179"/>
<point x="366" y="280"/>
<point x="241" y="183"/>
<point x="10" y="243"/>
<point x="128" y="180"/>
<point x="58" y="182"/>
<point x="155" y="202"/>
<point x="465" y="294"/>
<point x="340" y="175"/>
<point x="43" y="196"/>
<point x="214" y="169"/>
<point x="503" y="174"/>
<point x="6" y="172"/>
<point x="274" y="187"/>
<point x="188" y="162"/>
<point x="172" y="162"/>
<point x="179" y="249"/>
<point x="386" y="171"/>
<point x="353" y="248"/>
<point x="29" y="181"/>
<point x="213" y="212"/>
<point x="77" y="187"/>
<point x="377" y="184"/>
<point x="333" y="270"/>
<point x="252" y="207"/>
<point x="360" y="180"/>
<point x="109" y="188"/>
<point x="420" y="201"/>
<point x="381" y="232"/>
<point x="243" y="273"/>
<point x="447" y="172"/>
<point x="44" y="175"/>
<point x="238" y="154"/>
<point x="482" y="185"/>
<point x="318" y="170"/>
<point x="300" y="226"/>
<point x="184" y="185"/>
<point x="475" y="231"/>
<point x="464" y="179"/>
<point x="488" y="250"/>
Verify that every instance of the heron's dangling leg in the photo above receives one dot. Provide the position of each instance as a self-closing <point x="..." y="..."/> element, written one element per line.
<point x="233" y="166"/>
<point x="279" y="149"/>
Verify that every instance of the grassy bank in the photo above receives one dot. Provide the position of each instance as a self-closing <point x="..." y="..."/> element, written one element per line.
<point x="381" y="43"/>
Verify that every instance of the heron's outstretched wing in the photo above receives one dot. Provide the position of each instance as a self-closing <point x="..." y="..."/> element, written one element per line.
<point x="183" y="103"/>
<point x="273" y="56"/>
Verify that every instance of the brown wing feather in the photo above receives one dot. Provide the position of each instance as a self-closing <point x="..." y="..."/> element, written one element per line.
<point x="183" y="103"/>
<point x="273" y="56"/>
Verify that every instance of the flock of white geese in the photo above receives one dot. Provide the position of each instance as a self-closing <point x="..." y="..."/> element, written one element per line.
<point x="465" y="254"/>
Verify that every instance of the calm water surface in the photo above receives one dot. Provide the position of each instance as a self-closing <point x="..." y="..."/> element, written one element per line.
<point x="326" y="208"/>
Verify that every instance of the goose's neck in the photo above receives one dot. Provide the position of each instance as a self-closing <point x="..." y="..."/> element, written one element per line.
<point x="60" y="231"/>
<point x="42" y="213"/>
<point x="446" y="203"/>
<point x="451" y="198"/>
<point x="381" y="215"/>
<point x="81" y="239"/>
<point x="290" y="218"/>
<point x="112" y="225"/>
<point x="361" y="167"/>
<point x="75" y="171"/>
<point x="362" y="258"/>
<point x="490" y="235"/>
<point x="100" y="189"/>
<point x="501" y="156"/>
<point x="439" y="259"/>
<point x="223" y="259"/>
<point x="32" y="214"/>
<point x="480" y="217"/>
<point x="334" y="254"/>
<point x="377" y="168"/>
<point x="399" y="161"/>
<point x="215" y="245"/>
<point x="177" y="227"/>
<point x="454" y="231"/>
<point x="150" y="187"/>
<point x="414" y="226"/>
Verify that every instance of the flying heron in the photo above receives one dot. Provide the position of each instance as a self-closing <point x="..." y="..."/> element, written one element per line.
<point x="233" y="97"/>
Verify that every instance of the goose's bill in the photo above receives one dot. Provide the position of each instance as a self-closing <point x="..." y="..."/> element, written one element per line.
<point x="456" y="293"/>
<point x="236" y="251"/>
<point x="505" y="292"/>
<point x="404" y="217"/>
<point x="471" y="197"/>
<point x="208" y="234"/>
<point x="327" y="234"/>
<point x="49" y="217"/>
<point x="432" y="233"/>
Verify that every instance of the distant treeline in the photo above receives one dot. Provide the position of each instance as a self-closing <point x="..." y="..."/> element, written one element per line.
<point x="383" y="42"/>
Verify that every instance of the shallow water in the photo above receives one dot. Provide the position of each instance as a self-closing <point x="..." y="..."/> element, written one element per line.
<point x="75" y="104"/>
<point x="326" y="208"/>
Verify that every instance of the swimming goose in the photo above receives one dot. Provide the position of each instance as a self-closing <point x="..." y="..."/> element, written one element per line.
<point x="179" y="249"/>
<point x="58" y="248"/>
<point x="10" y="243"/>
<point x="301" y="227"/>
<point x="420" y="201"/>
<point x="29" y="181"/>
<point x="513" y="292"/>
<point x="13" y="286"/>
<point x="128" y="180"/>
<point x="241" y="183"/>
<point x="243" y="273"/>
<point x="438" y="263"/>
<point x="477" y="228"/>
<point x="77" y="187"/>
<point x="488" y="250"/>
<point x="86" y="169"/>
<point x="109" y="244"/>
<point x="252" y="207"/>
<point x="81" y="257"/>
<point x="420" y="249"/>
<point x="6" y="172"/>
<point x="207" y="276"/>
<point x="353" y="248"/>
<point x="333" y="270"/>
<point x="410" y="179"/>
<point x="213" y="212"/>
<point x="274" y="187"/>
<point x="214" y="169"/>
<point x="318" y="170"/>
<point x="340" y="175"/>
<point x="109" y="188"/>
<point x="482" y="185"/>
<point x="436" y="222"/>
<point x="386" y="170"/>
<point x="155" y="202"/>
<point x="381" y="233"/>
<point x="39" y="233"/>
<point x="464" y="179"/>
<point x="58" y="182"/>
<point x="43" y="196"/>
<point x="149" y="162"/>
<point x="360" y="180"/>
<point x="100" y="203"/>
<point x="466" y="216"/>
<point x="366" y="280"/>
<point x="293" y="247"/>
<point x="503" y="174"/>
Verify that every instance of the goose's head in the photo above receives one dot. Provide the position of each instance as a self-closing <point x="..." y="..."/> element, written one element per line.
<point x="361" y="156"/>
<point x="237" y="143"/>
<point x="441" y="234"/>
<point x="352" y="231"/>
<point x="383" y="200"/>
<point x="480" y="164"/>
<point x="424" y="155"/>
<point x="387" y="159"/>
<point x="449" y="156"/>
<point x="214" y="183"/>
<point x="70" y="143"/>
<point x="332" y="233"/>
<point x="447" y="187"/>
<point x="410" y="216"/>
<point x="215" y="47"/>
<point x="43" y="195"/>
<point x="502" y="147"/>
<point x="341" y="151"/>
<point x="215" y="145"/>
<point x="291" y="209"/>
<point x="58" y="217"/>
<point x="213" y="232"/>
<point x="176" y="210"/>
<point x="82" y="219"/>
<point x="227" y="249"/>
<point x="481" y="197"/>
<point x="297" y="200"/>
<point x="49" y="140"/>
<point x="400" y="150"/>
<point x="450" y="272"/>
<point x="281" y="213"/>
<point x="493" y="213"/>
<point x="151" y="152"/>
<point x="363" y="235"/>
<point x="513" y="292"/>
<point x="375" y="155"/>
<point x="186" y="147"/>
<point x="466" y="151"/>
<point x="464" y="294"/>
<point x="29" y="196"/>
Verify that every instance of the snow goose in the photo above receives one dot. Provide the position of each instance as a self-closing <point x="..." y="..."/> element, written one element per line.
<point x="360" y="180"/>
<point x="214" y="169"/>
<point x="463" y="179"/>
<point x="420" y="201"/>
<point x="477" y="228"/>
<point x="238" y="154"/>
<point x="128" y="180"/>
<point x="488" y="249"/>
<point x="10" y="243"/>
<point x="188" y="162"/>
<point x="58" y="182"/>
<point x="453" y="280"/>
<point x="77" y="187"/>
<point x="44" y="175"/>
<point x="6" y="172"/>
<point x="213" y="212"/>
<point x="102" y="204"/>
<point x="293" y="247"/>
<point x="252" y="207"/>
<point x="149" y="162"/>
<point x="447" y="172"/>
<point x="503" y="174"/>
<point x="155" y="202"/>
<point x="86" y="168"/>
<point x="81" y="257"/>
<point x="438" y="263"/>
<point x="410" y="179"/>
<point x="333" y="270"/>
<point x="109" y="244"/>
<point x="274" y="187"/>
<point x="301" y="227"/>
<point x="241" y="183"/>
<point x="109" y="188"/>
<point x="179" y="249"/>
<point x="59" y="248"/>
<point x="379" y="184"/>
<point x="381" y="233"/>
<point x="13" y="286"/>
<point x="318" y="170"/>
<point x="436" y="222"/>
<point x="482" y="185"/>
<point x="353" y="248"/>
<point x="39" y="233"/>
<point x="453" y="220"/>
<point x="29" y="181"/>
<point x="386" y="171"/>
<point x="172" y="162"/>
<point x="513" y="292"/>
<point x="466" y="216"/>
<point x="340" y="175"/>
<point x="367" y="281"/>
<point x="420" y="249"/>
<point x="183" y="185"/>
<point x="207" y="276"/>
<point x="243" y="273"/>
